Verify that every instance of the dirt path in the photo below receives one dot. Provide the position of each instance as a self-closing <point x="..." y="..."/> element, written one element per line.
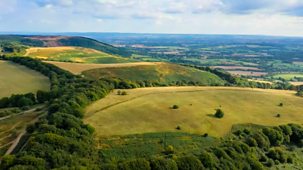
<point x="15" y="143"/>
<point x="9" y="116"/>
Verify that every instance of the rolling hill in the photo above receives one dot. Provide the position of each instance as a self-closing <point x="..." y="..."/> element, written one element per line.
<point x="57" y="41"/>
<point x="163" y="73"/>
<point x="74" y="54"/>
<point x="149" y="110"/>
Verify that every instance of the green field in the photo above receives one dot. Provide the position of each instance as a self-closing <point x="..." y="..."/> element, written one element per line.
<point x="160" y="72"/>
<point x="288" y="76"/>
<point x="148" y="110"/>
<point x="74" y="54"/>
<point x="17" y="79"/>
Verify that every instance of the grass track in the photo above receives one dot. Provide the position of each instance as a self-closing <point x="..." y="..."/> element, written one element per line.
<point x="148" y="110"/>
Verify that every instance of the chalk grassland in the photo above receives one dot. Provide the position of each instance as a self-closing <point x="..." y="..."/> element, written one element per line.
<point x="148" y="110"/>
<point x="161" y="72"/>
<point x="78" y="68"/>
<point x="17" y="79"/>
<point x="74" y="54"/>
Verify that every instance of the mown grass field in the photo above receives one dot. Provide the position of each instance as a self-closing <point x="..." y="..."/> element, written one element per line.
<point x="161" y="72"/>
<point x="148" y="110"/>
<point x="74" y="54"/>
<point x="17" y="79"/>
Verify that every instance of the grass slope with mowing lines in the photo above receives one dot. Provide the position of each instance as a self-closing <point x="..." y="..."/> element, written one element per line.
<point x="148" y="110"/>
<point x="17" y="79"/>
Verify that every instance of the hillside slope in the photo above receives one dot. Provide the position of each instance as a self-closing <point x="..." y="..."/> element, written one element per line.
<point x="162" y="73"/>
<point x="74" y="54"/>
<point x="56" y="41"/>
<point x="17" y="79"/>
<point x="146" y="110"/>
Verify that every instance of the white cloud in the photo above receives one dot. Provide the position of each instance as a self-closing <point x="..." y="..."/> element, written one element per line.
<point x="278" y="17"/>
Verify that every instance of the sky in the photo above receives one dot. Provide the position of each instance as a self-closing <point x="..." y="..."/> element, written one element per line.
<point x="261" y="17"/>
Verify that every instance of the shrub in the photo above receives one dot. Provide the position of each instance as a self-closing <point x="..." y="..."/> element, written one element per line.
<point x="178" y="127"/>
<point x="169" y="149"/>
<point x="189" y="163"/>
<point x="123" y="93"/>
<point x="208" y="160"/>
<point x="137" y="164"/>
<point x="275" y="137"/>
<point x="109" y="167"/>
<point x="277" y="154"/>
<point x="219" y="113"/>
<point x="163" y="164"/>
<point x="175" y="107"/>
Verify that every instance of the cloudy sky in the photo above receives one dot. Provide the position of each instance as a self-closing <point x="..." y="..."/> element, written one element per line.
<point x="270" y="17"/>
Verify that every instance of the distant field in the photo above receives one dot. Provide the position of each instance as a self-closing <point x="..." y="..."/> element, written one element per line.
<point x="78" y="68"/>
<point x="160" y="72"/>
<point x="260" y="81"/>
<point x="288" y="76"/>
<point x="297" y="83"/>
<point x="16" y="79"/>
<point x="74" y="54"/>
<point x="237" y="68"/>
<point x="148" y="110"/>
<point x="248" y="73"/>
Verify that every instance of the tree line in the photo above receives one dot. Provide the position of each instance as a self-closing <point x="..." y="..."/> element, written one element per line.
<point x="60" y="139"/>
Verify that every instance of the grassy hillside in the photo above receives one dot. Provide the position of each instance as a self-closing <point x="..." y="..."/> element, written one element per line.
<point x="55" y="41"/>
<point x="161" y="72"/>
<point x="16" y="79"/>
<point x="148" y="110"/>
<point x="78" y="68"/>
<point x="74" y="54"/>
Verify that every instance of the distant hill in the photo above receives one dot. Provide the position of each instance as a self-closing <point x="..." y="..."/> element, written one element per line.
<point x="163" y="73"/>
<point x="74" y="54"/>
<point x="56" y="41"/>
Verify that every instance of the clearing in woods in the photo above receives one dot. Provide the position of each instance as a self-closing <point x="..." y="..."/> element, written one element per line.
<point x="149" y="110"/>
<point x="17" y="79"/>
<point x="74" y="54"/>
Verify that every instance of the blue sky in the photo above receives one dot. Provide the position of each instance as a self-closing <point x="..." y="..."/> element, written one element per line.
<point x="269" y="17"/>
